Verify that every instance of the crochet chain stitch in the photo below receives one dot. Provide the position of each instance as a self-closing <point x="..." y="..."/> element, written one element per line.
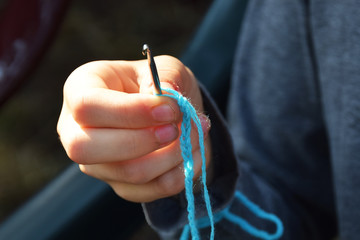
<point x="189" y="114"/>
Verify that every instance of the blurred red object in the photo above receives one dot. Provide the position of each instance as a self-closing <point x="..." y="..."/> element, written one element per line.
<point x="27" y="28"/>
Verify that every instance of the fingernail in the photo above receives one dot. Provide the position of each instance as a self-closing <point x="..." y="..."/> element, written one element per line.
<point x="167" y="133"/>
<point x="205" y="124"/>
<point x="163" y="113"/>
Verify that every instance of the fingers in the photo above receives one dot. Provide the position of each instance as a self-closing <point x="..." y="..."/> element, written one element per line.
<point x="158" y="174"/>
<point x="102" y="145"/>
<point x="121" y="134"/>
<point x="140" y="170"/>
<point x="167" y="184"/>
<point x="113" y="109"/>
<point x="104" y="93"/>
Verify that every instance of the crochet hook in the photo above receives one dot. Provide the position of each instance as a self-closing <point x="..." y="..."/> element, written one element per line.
<point x="146" y="51"/>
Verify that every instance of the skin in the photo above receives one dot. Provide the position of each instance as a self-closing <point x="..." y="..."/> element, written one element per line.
<point x="118" y="131"/>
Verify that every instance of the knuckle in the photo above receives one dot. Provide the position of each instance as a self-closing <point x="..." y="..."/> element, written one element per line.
<point x="119" y="190"/>
<point x="131" y="173"/>
<point x="173" y="72"/>
<point x="132" y="146"/>
<point x="122" y="191"/>
<point x="175" y="78"/>
<point x="169" y="184"/>
<point x="76" y="149"/>
<point x="84" y="68"/>
<point x="140" y="143"/>
<point x="74" y="140"/>
<point x="60" y="126"/>
<point x="84" y="169"/>
<point x="126" y="115"/>
<point x="81" y="106"/>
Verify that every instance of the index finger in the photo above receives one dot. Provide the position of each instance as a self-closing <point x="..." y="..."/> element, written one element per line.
<point x="105" y="94"/>
<point x="113" y="109"/>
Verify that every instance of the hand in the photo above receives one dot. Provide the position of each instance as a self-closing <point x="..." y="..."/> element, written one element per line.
<point x="118" y="131"/>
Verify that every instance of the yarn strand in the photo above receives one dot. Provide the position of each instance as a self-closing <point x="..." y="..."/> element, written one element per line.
<point x="189" y="114"/>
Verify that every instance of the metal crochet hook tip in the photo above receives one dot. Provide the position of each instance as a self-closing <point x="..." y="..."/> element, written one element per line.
<point x="146" y="51"/>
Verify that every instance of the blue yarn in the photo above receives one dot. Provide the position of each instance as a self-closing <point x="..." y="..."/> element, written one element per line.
<point x="189" y="114"/>
<point x="259" y="213"/>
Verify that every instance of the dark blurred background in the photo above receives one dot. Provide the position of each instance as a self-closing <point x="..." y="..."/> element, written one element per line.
<point x="31" y="154"/>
